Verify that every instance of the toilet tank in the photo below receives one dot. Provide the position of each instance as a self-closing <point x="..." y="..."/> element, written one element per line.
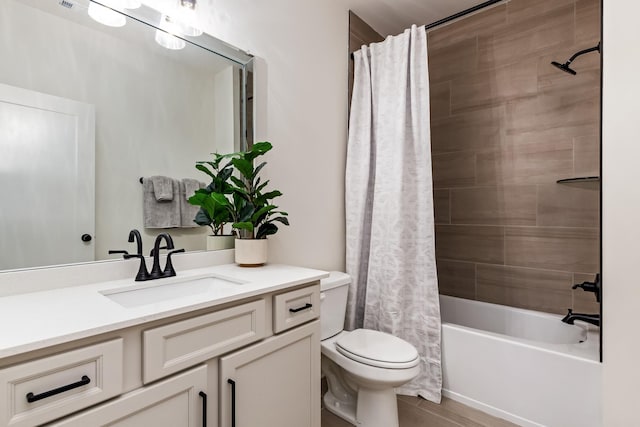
<point x="333" y="303"/>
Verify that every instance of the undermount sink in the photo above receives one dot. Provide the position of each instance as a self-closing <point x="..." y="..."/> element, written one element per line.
<point x="156" y="291"/>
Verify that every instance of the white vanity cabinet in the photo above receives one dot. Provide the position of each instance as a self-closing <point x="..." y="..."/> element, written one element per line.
<point x="179" y="372"/>
<point x="274" y="383"/>
<point x="179" y="401"/>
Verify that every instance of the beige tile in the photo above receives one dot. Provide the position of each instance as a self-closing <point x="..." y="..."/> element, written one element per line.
<point x="463" y="414"/>
<point x="541" y="290"/>
<point x="452" y="61"/>
<point x="561" y="108"/>
<point x="584" y="302"/>
<point x="457" y="279"/>
<point x="588" y="22"/>
<point x="330" y="420"/>
<point x="541" y="162"/>
<point x="478" y="129"/>
<point x="412" y="416"/>
<point x="511" y="205"/>
<point x="470" y="243"/>
<point x="523" y="38"/>
<point x="564" y="249"/>
<point x="524" y="10"/>
<point x="494" y="86"/>
<point x="478" y="24"/>
<point x="569" y="205"/>
<point x="453" y="169"/>
<point x="440" y="96"/>
<point x="586" y="155"/>
<point x="441" y="206"/>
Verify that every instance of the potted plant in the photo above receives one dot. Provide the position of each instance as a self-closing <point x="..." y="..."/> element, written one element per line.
<point x="252" y="211"/>
<point x="214" y="206"/>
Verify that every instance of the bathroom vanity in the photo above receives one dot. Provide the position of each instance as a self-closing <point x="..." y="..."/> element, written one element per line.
<point x="218" y="346"/>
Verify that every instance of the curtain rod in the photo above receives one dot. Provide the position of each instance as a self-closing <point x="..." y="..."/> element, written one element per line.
<point x="459" y="14"/>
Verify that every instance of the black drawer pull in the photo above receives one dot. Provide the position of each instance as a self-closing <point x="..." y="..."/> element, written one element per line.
<point x="203" y="395"/>
<point x="233" y="402"/>
<point x="35" y="397"/>
<point x="306" y="306"/>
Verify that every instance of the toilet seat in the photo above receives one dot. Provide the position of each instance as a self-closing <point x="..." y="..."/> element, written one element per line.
<point x="377" y="349"/>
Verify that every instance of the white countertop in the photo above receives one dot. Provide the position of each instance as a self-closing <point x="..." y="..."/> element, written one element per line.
<point x="41" y="319"/>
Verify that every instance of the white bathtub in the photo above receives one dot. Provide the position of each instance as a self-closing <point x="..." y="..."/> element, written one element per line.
<point x="521" y="365"/>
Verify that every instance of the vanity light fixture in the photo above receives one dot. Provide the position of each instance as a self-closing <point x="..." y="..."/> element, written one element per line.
<point x="185" y="17"/>
<point x="166" y="35"/>
<point x="107" y="14"/>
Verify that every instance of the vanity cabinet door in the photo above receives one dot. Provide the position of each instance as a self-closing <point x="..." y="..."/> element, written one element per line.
<point x="176" y="402"/>
<point x="275" y="383"/>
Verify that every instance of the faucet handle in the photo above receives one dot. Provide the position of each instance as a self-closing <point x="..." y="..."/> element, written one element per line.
<point x="142" y="274"/>
<point x="111" y="252"/>
<point x="169" y="271"/>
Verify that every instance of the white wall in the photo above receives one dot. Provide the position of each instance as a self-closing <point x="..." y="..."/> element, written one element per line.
<point x="301" y="108"/>
<point x="621" y="210"/>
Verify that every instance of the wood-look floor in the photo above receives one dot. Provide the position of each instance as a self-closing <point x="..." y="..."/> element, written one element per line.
<point x="417" y="412"/>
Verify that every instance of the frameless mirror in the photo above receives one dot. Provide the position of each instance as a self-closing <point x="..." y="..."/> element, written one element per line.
<point x="88" y="109"/>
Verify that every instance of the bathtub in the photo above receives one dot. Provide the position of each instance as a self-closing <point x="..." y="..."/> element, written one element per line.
<point x="521" y="365"/>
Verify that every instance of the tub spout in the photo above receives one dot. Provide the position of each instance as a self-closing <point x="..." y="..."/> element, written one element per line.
<point x="594" y="319"/>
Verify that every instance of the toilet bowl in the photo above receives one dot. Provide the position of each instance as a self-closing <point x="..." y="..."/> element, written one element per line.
<point x="362" y="367"/>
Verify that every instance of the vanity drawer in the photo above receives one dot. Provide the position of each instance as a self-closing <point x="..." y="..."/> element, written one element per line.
<point x="176" y="346"/>
<point x="61" y="384"/>
<point x="294" y="308"/>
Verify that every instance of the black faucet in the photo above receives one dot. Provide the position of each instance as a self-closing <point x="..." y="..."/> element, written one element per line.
<point x="169" y="271"/>
<point x="143" y="274"/>
<point x="156" y="272"/>
<point x="594" y="319"/>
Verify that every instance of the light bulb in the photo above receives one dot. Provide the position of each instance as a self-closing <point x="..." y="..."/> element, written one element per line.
<point x="169" y="41"/>
<point x="106" y="16"/>
<point x="186" y="18"/>
<point x="166" y="35"/>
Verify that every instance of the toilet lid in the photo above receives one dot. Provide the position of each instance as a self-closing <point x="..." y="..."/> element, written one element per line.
<point x="377" y="349"/>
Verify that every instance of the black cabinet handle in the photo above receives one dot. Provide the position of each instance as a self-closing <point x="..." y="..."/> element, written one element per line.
<point x="35" y="397"/>
<point x="203" y="395"/>
<point x="306" y="306"/>
<point x="233" y="402"/>
<point x="86" y="238"/>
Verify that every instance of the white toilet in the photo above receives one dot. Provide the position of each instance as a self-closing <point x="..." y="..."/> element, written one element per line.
<point x="362" y="367"/>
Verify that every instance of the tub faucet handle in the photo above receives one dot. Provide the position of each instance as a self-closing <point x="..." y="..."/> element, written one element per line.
<point x="590" y="287"/>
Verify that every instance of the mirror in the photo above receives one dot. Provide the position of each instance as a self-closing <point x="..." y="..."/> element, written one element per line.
<point x="87" y="110"/>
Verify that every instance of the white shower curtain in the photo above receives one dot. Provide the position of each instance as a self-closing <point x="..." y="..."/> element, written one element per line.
<point x="389" y="202"/>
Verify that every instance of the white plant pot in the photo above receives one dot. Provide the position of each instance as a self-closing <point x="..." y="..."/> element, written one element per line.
<point x="216" y="243"/>
<point x="251" y="252"/>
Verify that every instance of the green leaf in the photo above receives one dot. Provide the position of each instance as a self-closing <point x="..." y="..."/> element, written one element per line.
<point x="266" y="230"/>
<point x="202" y="218"/>
<point x="281" y="219"/>
<point x="245" y="167"/>
<point x="243" y="226"/>
<point x="238" y="182"/>
<point x="205" y="169"/>
<point x="264" y="184"/>
<point x="271" y="195"/>
<point x="258" y="169"/>
<point x="257" y="149"/>
<point x="261" y="213"/>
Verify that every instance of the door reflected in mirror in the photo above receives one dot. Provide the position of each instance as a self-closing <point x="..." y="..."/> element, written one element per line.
<point x="87" y="109"/>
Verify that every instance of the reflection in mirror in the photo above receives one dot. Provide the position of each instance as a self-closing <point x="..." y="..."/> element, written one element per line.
<point x="87" y="109"/>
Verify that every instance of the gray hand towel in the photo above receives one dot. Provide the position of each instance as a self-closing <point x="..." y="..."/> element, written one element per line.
<point x="188" y="212"/>
<point x="162" y="188"/>
<point x="157" y="214"/>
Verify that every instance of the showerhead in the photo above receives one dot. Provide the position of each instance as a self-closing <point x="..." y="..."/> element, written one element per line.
<point x="564" y="67"/>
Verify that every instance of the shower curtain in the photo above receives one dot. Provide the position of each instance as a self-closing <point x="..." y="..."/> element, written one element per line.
<point x="389" y="202"/>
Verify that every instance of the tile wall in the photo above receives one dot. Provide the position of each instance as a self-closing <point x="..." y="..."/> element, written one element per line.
<point x="506" y="125"/>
